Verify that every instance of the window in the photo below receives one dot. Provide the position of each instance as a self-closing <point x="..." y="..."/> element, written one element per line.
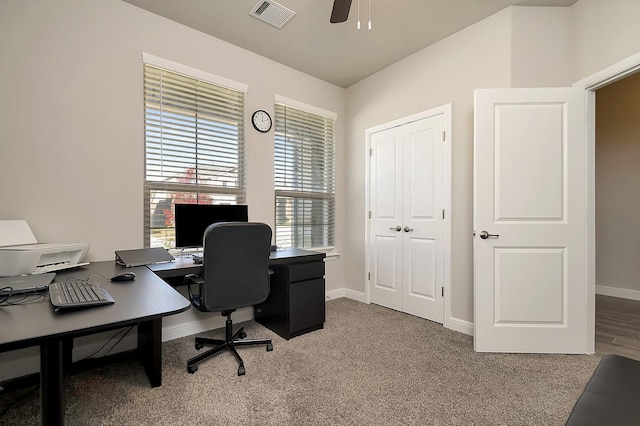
<point x="304" y="175"/>
<point x="194" y="143"/>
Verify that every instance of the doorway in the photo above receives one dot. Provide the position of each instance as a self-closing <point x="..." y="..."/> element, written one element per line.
<point x="616" y="72"/>
<point x="617" y="154"/>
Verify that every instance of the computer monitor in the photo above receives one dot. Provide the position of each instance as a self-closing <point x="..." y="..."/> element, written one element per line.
<point x="191" y="220"/>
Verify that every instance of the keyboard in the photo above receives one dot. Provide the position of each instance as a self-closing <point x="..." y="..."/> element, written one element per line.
<point x="78" y="294"/>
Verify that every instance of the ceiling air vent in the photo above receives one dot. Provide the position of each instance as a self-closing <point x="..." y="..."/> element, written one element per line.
<point x="272" y="13"/>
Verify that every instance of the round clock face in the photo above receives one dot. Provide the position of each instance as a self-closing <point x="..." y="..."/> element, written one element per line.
<point x="261" y="121"/>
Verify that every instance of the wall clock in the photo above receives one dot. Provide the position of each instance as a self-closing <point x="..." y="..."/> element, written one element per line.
<point x="261" y="121"/>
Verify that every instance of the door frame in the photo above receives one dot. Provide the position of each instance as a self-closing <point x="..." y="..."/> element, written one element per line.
<point x="448" y="129"/>
<point x="592" y="83"/>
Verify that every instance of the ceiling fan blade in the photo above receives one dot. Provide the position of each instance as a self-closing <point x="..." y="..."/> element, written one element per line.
<point x="340" y="11"/>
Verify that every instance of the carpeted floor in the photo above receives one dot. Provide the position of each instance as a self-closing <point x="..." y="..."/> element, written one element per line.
<point x="368" y="366"/>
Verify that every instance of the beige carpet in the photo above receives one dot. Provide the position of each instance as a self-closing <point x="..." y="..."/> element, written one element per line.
<point x="368" y="366"/>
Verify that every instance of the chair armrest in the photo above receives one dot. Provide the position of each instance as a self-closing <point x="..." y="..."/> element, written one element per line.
<point x="193" y="279"/>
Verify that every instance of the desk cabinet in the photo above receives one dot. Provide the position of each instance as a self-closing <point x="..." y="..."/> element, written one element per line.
<point x="296" y="302"/>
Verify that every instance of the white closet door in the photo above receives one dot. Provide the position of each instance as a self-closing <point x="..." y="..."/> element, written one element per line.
<point x="386" y="222"/>
<point x="422" y="224"/>
<point x="407" y="227"/>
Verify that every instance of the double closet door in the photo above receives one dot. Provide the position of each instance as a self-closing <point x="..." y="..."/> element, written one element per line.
<point x="406" y="218"/>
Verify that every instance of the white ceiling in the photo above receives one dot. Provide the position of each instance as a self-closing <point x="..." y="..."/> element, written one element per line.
<point x="336" y="53"/>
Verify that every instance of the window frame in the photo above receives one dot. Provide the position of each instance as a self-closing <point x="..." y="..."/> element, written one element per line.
<point x="327" y="192"/>
<point x="197" y="189"/>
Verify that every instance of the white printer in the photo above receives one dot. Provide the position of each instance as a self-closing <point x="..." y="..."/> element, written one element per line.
<point x="20" y="252"/>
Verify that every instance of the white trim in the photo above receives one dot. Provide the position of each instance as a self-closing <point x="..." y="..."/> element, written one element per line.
<point x="193" y="72"/>
<point x="305" y="107"/>
<point x="610" y="74"/>
<point x="462" y="326"/>
<point x="446" y="110"/>
<point x="358" y="296"/>
<point x="623" y="293"/>
<point x="596" y="81"/>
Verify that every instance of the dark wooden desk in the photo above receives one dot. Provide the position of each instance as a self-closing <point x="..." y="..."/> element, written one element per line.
<point x="296" y="302"/>
<point x="142" y="302"/>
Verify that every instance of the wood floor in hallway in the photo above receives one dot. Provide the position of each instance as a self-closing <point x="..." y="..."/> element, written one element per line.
<point x="618" y="326"/>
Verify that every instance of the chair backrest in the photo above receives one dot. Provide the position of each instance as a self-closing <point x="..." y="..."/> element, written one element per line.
<point x="235" y="265"/>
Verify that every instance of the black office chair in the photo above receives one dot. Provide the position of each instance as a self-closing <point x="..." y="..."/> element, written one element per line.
<point x="235" y="274"/>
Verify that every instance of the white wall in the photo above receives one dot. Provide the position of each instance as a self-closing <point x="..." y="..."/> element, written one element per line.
<point x="541" y="47"/>
<point x="72" y="124"/>
<point x="602" y="33"/>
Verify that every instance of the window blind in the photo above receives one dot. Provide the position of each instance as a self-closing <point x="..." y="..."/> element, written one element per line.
<point x="304" y="178"/>
<point x="194" y="147"/>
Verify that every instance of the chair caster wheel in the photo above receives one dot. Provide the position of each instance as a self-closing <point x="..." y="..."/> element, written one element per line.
<point x="241" y="370"/>
<point x="199" y="346"/>
<point x="269" y="347"/>
<point x="242" y="335"/>
<point x="192" y="369"/>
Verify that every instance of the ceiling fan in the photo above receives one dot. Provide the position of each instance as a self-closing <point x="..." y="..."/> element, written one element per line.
<point x="340" y="11"/>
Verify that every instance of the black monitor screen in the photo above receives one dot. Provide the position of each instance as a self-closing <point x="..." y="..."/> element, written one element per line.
<point x="192" y="220"/>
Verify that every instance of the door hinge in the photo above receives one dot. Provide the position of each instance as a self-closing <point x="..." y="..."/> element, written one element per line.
<point x="369" y="276"/>
<point x="442" y="291"/>
<point x="443" y="213"/>
<point x="370" y="214"/>
<point x="370" y="152"/>
<point x="444" y="136"/>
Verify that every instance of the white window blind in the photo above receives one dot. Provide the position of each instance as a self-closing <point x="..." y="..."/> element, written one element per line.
<point x="304" y="177"/>
<point x="194" y="147"/>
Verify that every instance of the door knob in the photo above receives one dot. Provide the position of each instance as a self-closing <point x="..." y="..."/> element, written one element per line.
<point x="397" y="228"/>
<point x="484" y="235"/>
<point x="407" y="229"/>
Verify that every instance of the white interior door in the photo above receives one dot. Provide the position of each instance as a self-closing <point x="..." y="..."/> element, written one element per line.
<point x="386" y="223"/>
<point x="530" y="221"/>
<point x="407" y="227"/>
<point x="422" y="224"/>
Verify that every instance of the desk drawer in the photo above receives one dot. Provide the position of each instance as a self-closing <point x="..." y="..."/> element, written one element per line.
<point x="306" y="271"/>
<point x="306" y="305"/>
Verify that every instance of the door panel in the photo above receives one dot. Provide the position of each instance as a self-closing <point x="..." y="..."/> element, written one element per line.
<point x="420" y="283"/>
<point x="520" y="164"/>
<point x="530" y="195"/>
<point x="530" y="287"/>
<point x="386" y="182"/>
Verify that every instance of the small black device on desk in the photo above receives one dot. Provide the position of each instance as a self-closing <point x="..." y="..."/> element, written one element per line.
<point x="125" y="276"/>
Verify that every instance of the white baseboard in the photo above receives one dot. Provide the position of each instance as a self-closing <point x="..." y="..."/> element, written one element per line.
<point x="358" y="296"/>
<point x="462" y="326"/>
<point x="623" y="293"/>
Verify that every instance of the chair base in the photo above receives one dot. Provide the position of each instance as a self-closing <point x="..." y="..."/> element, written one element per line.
<point x="229" y="344"/>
